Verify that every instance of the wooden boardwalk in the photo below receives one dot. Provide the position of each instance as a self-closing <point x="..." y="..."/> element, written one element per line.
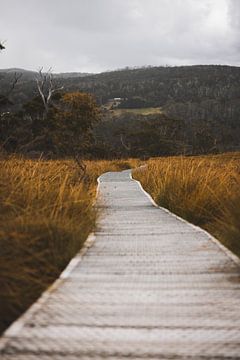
<point x="150" y="287"/>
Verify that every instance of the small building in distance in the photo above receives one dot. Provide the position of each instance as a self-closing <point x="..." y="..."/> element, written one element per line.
<point x="113" y="103"/>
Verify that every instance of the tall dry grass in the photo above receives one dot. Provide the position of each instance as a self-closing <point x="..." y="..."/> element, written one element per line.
<point x="46" y="214"/>
<point x="203" y="190"/>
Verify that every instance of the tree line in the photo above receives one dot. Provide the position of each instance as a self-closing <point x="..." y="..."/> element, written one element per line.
<point x="64" y="117"/>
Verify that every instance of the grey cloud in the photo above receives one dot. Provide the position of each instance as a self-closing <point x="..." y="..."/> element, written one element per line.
<point x="234" y="13"/>
<point x="96" y="35"/>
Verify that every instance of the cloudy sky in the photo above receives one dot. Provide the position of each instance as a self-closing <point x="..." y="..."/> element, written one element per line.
<point x="99" y="35"/>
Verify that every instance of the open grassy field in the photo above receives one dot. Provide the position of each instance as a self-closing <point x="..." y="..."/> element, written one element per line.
<point x="140" y="111"/>
<point x="46" y="214"/>
<point x="203" y="190"/>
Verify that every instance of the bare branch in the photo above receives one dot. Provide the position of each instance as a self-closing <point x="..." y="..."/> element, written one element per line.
<point x="15" y="80"/>
<point x="46" y="87"/>
<point x="4" y="98"/>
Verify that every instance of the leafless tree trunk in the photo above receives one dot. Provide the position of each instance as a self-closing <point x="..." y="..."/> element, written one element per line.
<point x="46" y="88"/>
<point x="15" y="80"/>
<point x="4" y="98"/>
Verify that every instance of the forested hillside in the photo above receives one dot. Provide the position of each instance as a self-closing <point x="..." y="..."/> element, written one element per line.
<point x="200" y="107"/>
<point x="188" y="92"/>
<point x="157" y="86"/>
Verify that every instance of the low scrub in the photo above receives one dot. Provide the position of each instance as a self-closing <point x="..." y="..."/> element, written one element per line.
<point x="203" y="190"/>
<point x="46" y="214"/>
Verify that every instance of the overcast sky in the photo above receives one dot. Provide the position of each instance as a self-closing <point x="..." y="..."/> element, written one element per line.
<point x="99" y="35"/>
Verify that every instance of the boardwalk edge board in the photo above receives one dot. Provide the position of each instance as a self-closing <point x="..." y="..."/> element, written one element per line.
<point x="228" y="252"/>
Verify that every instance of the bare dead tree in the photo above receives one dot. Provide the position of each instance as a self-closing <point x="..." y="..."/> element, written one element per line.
<point x="15" y="80"/>
<point x="4" y="98"/>
<point x="46" y="88"/>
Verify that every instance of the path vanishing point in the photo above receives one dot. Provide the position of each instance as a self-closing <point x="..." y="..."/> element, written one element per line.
<point x="147" y="285"/>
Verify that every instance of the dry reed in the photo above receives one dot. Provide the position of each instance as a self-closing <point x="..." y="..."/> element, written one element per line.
<point x="203" y="190"/>
<point x="46" y="214"/>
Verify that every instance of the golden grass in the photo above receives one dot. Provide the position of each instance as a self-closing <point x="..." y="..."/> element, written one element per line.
<point x="203" y="190"/>
<point x="46" y="214"/>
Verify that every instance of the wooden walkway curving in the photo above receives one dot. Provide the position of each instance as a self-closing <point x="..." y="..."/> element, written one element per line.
<point x="150" y="287"/>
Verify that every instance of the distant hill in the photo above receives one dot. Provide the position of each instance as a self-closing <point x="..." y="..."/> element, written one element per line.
<point x="27" y="75"/>
<point x="13" y="70"/>
<point x="30" y="75"/>
<point x="197" y="107"/>
<point x="194" y="94"/>
<point x="69" y="75"/>
<point x="25" y="88"/>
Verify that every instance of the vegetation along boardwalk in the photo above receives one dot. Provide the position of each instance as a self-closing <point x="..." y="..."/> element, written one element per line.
<point x="151" y="286"/>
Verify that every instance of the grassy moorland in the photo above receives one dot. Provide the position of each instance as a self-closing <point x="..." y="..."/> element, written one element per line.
<point x="204" y="190"/>
<point x="46" y="214"/>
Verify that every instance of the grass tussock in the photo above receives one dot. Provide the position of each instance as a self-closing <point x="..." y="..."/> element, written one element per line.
<point x="46" y="214"/>
<point x="203" y="190"/>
